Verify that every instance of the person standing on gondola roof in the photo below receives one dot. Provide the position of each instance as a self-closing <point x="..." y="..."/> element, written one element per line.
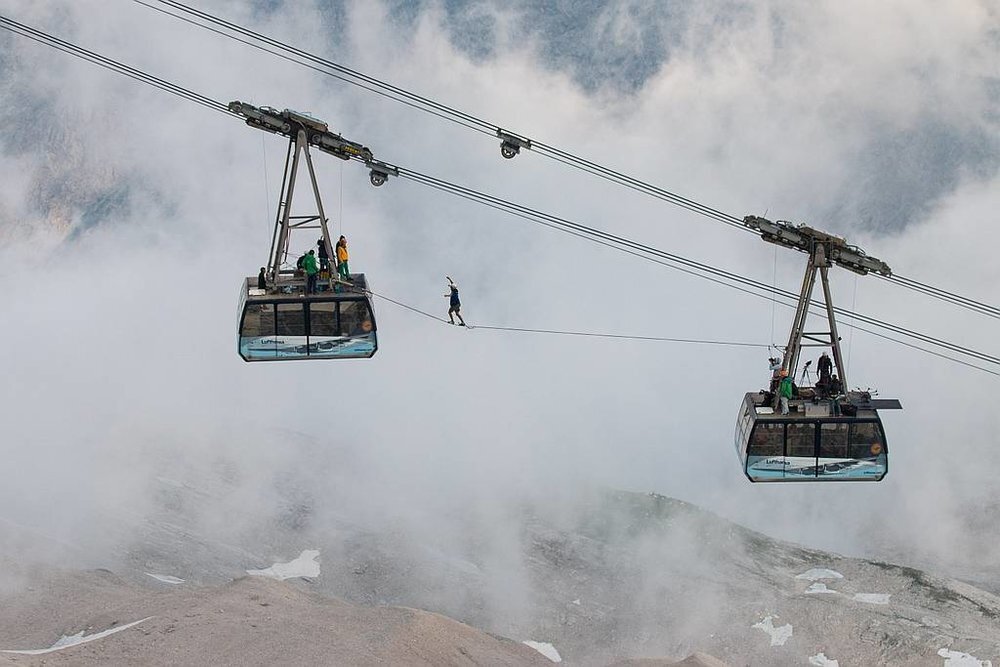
<point x="312" y="271"/>
<point x="825" y="368"/>
<point x="454" y="304"/>
<point x="324" y="259"/>
<point x="342" y="257"/>
<point x="785" y="391"/>
<point x="262" y="279"/>
<point x="774" y="363"/>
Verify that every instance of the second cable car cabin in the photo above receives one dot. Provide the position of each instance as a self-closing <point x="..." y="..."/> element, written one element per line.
<point x="284" y="316"/>
<point x="812" y="443"/>
<point x="828" y="434"/>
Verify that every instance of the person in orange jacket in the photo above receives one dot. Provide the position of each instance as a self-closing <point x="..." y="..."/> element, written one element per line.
<point x="342" y="257"/>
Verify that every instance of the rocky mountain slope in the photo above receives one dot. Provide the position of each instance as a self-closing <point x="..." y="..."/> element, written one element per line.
<point x="613" y="576"/>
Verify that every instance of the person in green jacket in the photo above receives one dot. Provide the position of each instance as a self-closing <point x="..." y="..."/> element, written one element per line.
<point x="312" y="271"/>
<point x="784" y="391"/>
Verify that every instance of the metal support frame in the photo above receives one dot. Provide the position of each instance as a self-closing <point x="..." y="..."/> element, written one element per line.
<point x="298" y="145"/>
<point x="818" y="262"/>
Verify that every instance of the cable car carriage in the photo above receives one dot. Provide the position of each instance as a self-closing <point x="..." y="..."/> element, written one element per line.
<point x="284" y="314"/>
<point x="284" y="322"/>
<point x="828" y="433"/>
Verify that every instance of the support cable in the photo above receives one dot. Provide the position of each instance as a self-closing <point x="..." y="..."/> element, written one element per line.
<point x="664" y="339"/>
<point x="620" y="243"/>
<point x="280" y="49"/>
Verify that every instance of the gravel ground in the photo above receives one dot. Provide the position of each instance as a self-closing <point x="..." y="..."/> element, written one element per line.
<point x="251" y="621"/>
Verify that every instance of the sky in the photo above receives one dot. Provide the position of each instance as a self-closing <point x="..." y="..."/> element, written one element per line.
<point x="128" y="218"/>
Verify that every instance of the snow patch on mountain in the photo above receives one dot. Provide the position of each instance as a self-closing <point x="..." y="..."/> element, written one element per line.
<point x="819" y="588"/>
<point x="74" y="640"/>
<point x="306" y="565"/>
<point x="820" y="660"/>
<point x="546" y="649"/>
<point x="779" y="635"/>
<point x="819" y="573"/>
<point x="959" y="659"/>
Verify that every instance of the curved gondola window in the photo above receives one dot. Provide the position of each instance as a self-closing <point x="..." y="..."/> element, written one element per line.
<point x="355" y="320"/>
<point x="765" y="456"/>
<point x="866" y="440"/>
<point x="257" y="331"/>
<point x="768" y="440"/>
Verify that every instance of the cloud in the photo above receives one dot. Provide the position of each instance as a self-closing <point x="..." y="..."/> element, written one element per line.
<point x="119" y="352"/>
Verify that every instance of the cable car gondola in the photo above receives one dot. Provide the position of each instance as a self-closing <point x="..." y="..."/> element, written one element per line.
<point x="829" y="434"/>
<point x="280" y="317"/>
<point x="281" y="325"/>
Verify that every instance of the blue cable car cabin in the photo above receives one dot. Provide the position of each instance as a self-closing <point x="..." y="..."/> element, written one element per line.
<point x="283" y="323"/>
<point x="827" y="433"/>
<point x="817" y="441"/>
<point x="283" y="316"/>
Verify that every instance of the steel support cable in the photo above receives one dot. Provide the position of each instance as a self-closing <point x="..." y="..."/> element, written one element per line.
<point x="594" y="334"/>
<point x="443" y="185"/>
<point x="386" y="89"/>
<point x="590" y="334"/>
<point x="943" y="295"/>
<point x="322" y="65"/>
<point x="108" y="63"/>
<point x="641" y="186"/>
<point x="563" y="223"/>
<point x="590" y="238"/>
<point x="664" y="339"/>
<point x="621" y="242"/>
<point x="601" y="239"/>
<point x="408" y="307"/>
<point x="445" y="112"/>
<point x="922" y="349"/>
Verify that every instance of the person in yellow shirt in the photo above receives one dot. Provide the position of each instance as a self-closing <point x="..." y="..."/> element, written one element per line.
<point x="342" y="257"/>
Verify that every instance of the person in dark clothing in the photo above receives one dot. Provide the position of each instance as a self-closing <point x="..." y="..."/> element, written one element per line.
<point x="454" y="305"/>
<point x="836" y="393"/>
<point x="262" y="279"/>
<point x="324" y="259"/>
<point x="825" y="369"/>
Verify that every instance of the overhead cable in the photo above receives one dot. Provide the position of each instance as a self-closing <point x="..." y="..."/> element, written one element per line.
<point x="588" y="334"/>
<point x="646" y="250"/>
<point x="107" y="63"/>
<point x="620" y="243"/>
<point x="255" y="39"/>
<point x="674" y="340"/>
